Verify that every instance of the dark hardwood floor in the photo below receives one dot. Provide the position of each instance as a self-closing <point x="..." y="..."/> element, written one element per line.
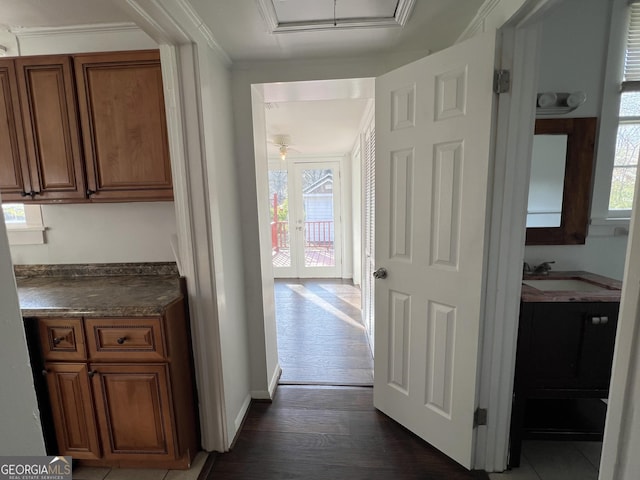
<point x="321" y="338"/>
<point x="328" y="433"/>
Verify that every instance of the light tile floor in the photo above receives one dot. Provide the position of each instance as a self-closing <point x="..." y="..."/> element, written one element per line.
<point x="93" y="473"/>
<point x="550" y="460"/>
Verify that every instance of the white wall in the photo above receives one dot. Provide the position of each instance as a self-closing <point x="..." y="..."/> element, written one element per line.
<point x="224" y="194"/>
<point x="103" y="233"/>
<point x="95" y="233"/>
<point x="20" y="420"/>
<point x="575" y="37"/>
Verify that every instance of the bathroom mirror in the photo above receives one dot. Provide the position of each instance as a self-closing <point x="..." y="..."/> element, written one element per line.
<point x="560" y="184"/>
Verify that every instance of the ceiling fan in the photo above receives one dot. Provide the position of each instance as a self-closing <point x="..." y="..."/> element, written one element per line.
<point x="283" y="142"/>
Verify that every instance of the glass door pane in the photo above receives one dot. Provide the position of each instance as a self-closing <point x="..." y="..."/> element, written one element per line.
<point x="279" y="217"/>
<point x="318" y="217"/>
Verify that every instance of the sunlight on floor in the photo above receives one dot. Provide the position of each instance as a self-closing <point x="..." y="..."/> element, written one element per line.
<point x="308" y="295"/>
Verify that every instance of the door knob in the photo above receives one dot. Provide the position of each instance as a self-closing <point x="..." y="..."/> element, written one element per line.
<point x="380" y="273"/>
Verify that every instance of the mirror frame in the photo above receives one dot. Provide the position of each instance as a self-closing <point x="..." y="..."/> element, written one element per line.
<point x="578" y="177"/>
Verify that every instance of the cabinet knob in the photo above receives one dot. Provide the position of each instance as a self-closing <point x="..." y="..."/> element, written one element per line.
<point x="33" y="193"/>
<point x="121" y="340"/>
<point x="44" y="372"/>
<point x="57" y="340"/>
<point x="90" y="192"/>
<point x="25" y="194"/>
<point x="92" y="373"/>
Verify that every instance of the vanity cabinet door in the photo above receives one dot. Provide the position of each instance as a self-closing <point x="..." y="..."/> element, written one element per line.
<point x="560" y="346"/>
<point x="72" y="409"/>
<point x="134" y="413"/>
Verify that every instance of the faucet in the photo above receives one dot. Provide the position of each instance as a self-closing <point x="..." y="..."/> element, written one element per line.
<point x="543" y="268"/>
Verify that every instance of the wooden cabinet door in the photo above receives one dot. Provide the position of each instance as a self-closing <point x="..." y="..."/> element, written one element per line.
<point x="124" y="129"/>
<point x="14" y="173"/>
<point x="134" y="413"/>
<point x="51" y="129"/>
<point x="72" y="408"/>
<point x="560" y="346"/>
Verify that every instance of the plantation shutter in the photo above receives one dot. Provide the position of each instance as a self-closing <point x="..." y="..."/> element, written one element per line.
<point x="369" y="190"/>
<point x="632" y="51"/>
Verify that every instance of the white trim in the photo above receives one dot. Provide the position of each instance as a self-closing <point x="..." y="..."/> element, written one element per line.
<point x="268" y="13"/>
<point x="477" y="24"/>
<point x="242" y="413"/>
<point x="273" y="384"/>
<point x="29" y="32"/>
<point x="608" y="227"/>
<point x="514" y="136"/>
<point x="204" y="30"/>
<point x="29" y="233"/>
<point x="621" y="442"/>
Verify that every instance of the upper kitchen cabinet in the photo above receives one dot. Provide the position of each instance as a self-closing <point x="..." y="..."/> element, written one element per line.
<point x="51" y="133"/>
<point x="14" y="181"/>
<point x="124" y="132"/>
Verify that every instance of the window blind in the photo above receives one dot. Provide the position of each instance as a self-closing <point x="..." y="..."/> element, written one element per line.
<point x="632" y="51"/>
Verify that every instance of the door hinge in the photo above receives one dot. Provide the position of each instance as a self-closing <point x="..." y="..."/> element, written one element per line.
<point x="501" y="81"/>
<point x="479" y="417"/>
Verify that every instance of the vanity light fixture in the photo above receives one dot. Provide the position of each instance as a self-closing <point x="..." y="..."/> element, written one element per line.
<point x="559" y="103"/>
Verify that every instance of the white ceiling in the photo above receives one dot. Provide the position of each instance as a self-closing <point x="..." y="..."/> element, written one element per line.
<point x="242" y="32"/>
<point x="320" y="117"/>
<point x="316" y="127"/>
<point x="58" y="13"/>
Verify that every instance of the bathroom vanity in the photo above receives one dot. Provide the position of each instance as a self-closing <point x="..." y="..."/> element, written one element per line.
<point x="565" y="349"/>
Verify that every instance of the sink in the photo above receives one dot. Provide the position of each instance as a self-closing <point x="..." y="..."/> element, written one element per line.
<point x="564" y="284"/>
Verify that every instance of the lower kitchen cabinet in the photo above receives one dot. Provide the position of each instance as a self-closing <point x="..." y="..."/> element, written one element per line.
<point x="140" y="429"/>
<point x="127" y="399"/>
<point x="72" y="408"/>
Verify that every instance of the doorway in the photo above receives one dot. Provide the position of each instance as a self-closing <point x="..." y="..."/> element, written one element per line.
<point x="316" y="136"/>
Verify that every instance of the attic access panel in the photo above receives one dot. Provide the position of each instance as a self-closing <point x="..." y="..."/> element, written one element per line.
<point x="301" y="15"/>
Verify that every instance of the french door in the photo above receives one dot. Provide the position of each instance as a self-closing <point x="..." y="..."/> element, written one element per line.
<point x="306" y="235"/>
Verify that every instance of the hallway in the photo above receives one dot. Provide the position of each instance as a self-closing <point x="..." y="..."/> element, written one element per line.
<point x="328" y="433"/>
<point x="321" y="339"/>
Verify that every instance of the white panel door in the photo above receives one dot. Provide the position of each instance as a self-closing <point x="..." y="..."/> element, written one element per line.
<point x="433" y="138"/>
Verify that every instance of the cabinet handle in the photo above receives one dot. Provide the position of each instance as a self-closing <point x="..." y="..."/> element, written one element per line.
<point x="25" y="194"/>
<point x="33" y="193"/>
<point x="90" y="192"/>
<point x="57" y="340"/>
<point x="599" y="320"/>
<point x="92" y="373"/>
<point x="121" y="340"/>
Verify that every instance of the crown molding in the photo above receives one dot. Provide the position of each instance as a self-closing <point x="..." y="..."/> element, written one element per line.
<point x="477" y="24"/>
<point x="204" y="30"/>
<point x="26" y="32"/>
<point x="268" y="13"/>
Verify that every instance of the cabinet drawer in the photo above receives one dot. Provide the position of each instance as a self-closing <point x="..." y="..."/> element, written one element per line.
<point x="62" y="339"/>
<point x="121" y="339"/>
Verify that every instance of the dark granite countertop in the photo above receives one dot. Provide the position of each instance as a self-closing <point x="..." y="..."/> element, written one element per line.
<point x="74" y="291"/>
<point x="606" y="289"/>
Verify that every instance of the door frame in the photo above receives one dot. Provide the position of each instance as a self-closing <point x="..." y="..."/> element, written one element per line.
<point x="512" y="165"/>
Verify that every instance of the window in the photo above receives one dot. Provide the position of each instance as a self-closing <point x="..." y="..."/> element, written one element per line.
<point x="24" y="223"/>
<point x="625" y="165"/>
<point x="14" y="214"/>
